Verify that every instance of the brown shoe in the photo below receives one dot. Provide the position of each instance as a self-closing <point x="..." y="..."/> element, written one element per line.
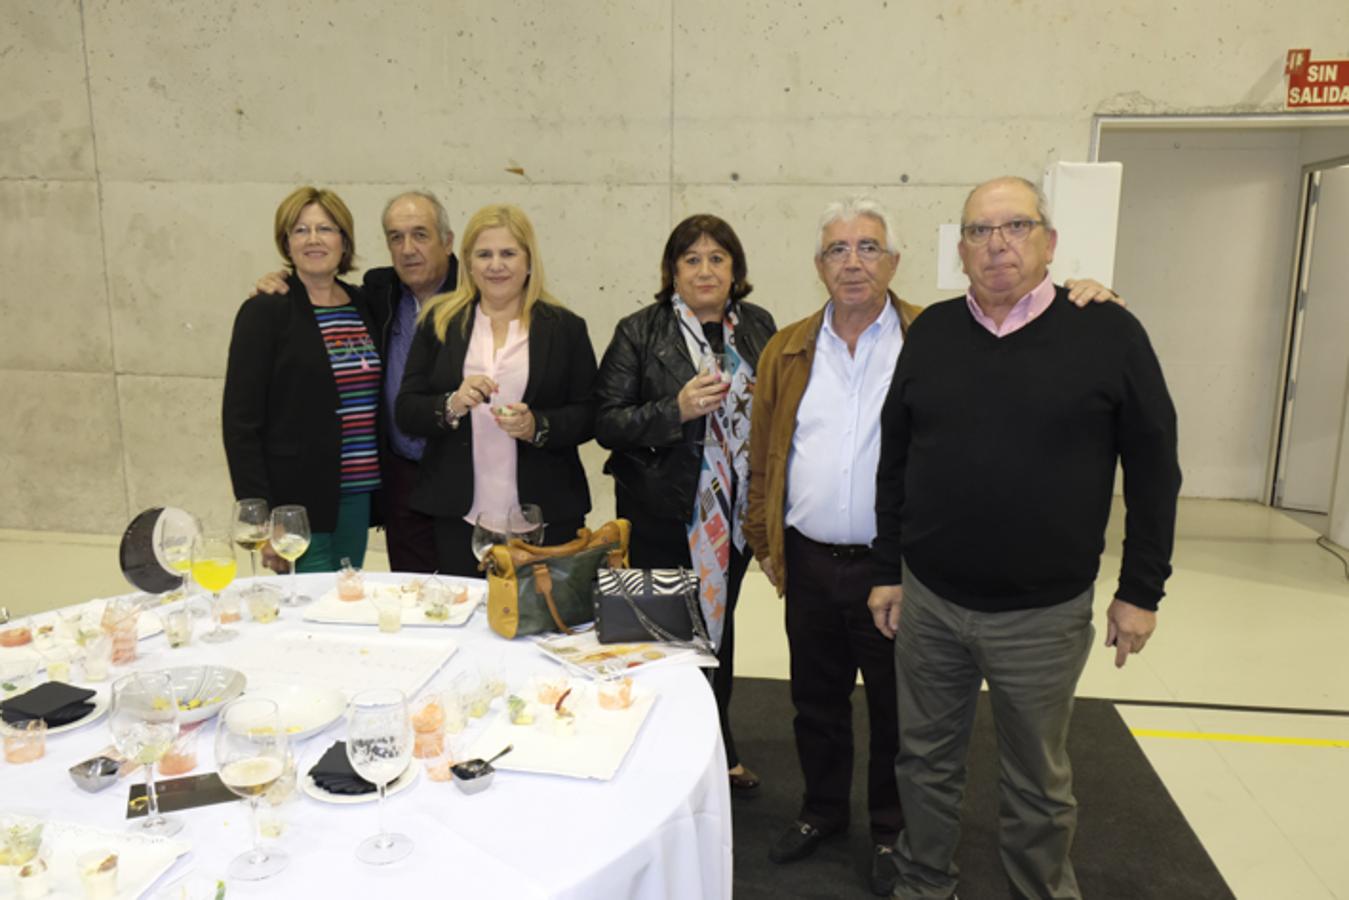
<point x="744" y="780"/>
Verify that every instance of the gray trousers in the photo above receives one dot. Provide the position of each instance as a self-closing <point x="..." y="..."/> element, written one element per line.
<point x="1031" y="660"/>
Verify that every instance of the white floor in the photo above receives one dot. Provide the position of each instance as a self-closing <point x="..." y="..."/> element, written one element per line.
<point x="1256" y="616"/>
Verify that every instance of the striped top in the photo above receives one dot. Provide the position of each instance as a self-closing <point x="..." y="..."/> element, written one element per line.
<point x="356" y="368"/>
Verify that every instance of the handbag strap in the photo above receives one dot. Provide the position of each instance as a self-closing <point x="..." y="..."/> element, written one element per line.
<point x="701" y="642"/>
<point x="543" y="580"/>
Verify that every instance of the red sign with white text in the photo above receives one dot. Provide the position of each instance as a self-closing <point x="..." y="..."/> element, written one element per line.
<point x="1316" y="84"/>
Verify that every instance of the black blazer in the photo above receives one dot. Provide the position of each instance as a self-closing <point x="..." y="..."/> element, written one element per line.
<point x="560" y="389"/>
<point x="656" y="460"/>
<point x="283" y="440"/>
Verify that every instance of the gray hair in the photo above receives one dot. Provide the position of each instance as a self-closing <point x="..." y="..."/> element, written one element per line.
<point x="851" y="208"/>
<point x="1041" y="201"/>
<point x="442" y="217"/>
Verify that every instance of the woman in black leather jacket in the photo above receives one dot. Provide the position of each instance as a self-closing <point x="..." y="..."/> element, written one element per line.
<point x="674" y="391"/>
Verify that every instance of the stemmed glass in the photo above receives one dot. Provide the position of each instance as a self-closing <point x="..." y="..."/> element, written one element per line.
<point x="290" y="539"/>
<point x="144" y="722"/>
<point x="526" y="523"/>
<point x="379" y="747"/>
<point x="251" y="754"/>
<point x="252" y="527"/>
<point x="174" y="533"/>
<point x="214" y="568"/>
<point x="489" y="528"/>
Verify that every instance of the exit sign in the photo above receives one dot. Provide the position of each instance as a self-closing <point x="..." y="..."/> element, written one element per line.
<point x="1316" y="83"/>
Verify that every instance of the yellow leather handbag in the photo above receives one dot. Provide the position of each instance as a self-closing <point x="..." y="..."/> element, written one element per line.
<point x="531" y="590"/>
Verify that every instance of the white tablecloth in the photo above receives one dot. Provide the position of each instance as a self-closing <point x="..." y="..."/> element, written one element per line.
<point x="660" y="828"/>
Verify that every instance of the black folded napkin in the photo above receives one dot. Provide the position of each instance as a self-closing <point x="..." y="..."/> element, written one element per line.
<point x="54" y="702"/>
<point x="333" y="773"/>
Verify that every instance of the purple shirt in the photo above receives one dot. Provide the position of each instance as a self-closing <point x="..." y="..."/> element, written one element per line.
<point x="401" y="330"/>
<point x="1026" y="310"/>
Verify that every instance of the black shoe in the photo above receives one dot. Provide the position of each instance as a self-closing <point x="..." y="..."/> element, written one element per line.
<point x="797" y="842"/>
<point x="883" y="871"/>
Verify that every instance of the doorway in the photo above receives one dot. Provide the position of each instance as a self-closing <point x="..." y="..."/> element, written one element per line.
<point x="1318" y="357"/>
<point x="1212" y="215"/>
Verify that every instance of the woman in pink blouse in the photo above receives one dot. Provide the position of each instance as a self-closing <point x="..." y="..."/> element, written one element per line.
<point x="499" y="379"/>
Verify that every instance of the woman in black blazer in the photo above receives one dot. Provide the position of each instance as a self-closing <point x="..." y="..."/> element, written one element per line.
<point x="500" y="381"/>
<point x="302" y="386"/>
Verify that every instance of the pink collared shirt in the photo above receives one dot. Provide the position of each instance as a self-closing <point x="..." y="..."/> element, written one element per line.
<point x="494" y="451"/>
<point x="1026" y="310"/>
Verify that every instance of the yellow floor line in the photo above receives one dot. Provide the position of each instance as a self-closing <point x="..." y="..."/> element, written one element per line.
<point x="1238" y="738"/>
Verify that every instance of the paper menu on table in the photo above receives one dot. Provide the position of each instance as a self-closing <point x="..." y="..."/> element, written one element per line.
<point x="584" y="653"/>
<point x="348" y="662"/>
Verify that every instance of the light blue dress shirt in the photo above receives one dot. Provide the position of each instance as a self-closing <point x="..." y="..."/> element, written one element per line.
<point x="836" y="446"/>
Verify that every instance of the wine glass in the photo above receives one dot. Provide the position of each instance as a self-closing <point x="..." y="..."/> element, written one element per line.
<point x="175" y="531"/>
<point x="214" y="567"/>
<point x="144" y="722"/>
<point x="251" y="527"/>
<point x="290" y="539"/>
<point x="252" y="754"/>
<point x="379" y="747"/>
<point x="526" y="523"/>
<point x="489" y="528"/>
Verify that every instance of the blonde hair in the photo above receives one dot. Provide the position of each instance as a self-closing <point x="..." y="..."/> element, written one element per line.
<point x="443" y="308"/>
<point x="288" y="213"/>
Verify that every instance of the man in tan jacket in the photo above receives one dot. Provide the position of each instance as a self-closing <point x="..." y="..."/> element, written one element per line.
<point x="817" y="404"/>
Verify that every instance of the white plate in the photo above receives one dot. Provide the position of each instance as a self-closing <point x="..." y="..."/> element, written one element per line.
<point x="213" y="685"/>
<point x="102" y="699"/>
<point x="141" y="859"/>
<point x="398" y="785"/>
<point x="304" y="711"/>
<point x="330" y="610"/>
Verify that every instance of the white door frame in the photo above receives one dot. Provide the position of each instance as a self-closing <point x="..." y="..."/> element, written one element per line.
<point x="1282" y="120"/>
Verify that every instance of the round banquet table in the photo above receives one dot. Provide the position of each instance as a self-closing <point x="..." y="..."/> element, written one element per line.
<point x="660" y="828"/>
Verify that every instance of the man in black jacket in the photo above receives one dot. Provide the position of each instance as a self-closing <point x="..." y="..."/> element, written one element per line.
<point x="417" y="231"/>
<point x="420" y="241"/>
<point x="999" y="438"/>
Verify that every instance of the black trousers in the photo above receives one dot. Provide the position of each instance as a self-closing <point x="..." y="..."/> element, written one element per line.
<point x="409" y="534"/>
<point x="831" y="636"/>
<point x="454" y="543"/>
<point x="664" y="544"/>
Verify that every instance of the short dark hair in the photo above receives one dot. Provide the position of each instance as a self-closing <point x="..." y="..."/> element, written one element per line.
<point x="685" y="235"/>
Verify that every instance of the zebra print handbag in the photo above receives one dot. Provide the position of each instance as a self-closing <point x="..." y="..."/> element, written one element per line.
<point x="649" y="605"/>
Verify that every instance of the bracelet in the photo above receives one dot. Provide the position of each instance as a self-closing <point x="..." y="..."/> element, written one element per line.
<point x="451" y="417"/>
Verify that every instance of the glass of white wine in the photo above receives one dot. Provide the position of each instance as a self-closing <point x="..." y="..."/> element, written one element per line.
<point x="379" y="747"/>
<point x="252" y="754"/>
<point x="175" y="531"/>
<point x="214" y="567"/>
<point x="290" y="539"/>
<point x="144" y="722"/>
<point x="251" y="526"/>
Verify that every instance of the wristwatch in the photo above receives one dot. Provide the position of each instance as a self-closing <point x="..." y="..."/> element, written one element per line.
<point x="540" y="431"/>
<point x="450" y="417"/>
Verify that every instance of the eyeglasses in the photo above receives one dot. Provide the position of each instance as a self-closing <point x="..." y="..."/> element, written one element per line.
<point x="1013" y="232"/>
<point x="867" y="252"/>
<point x="301" y="232"/>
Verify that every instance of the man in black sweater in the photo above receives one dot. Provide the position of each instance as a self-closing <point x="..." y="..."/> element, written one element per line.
<point x="1005" y="417"/>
